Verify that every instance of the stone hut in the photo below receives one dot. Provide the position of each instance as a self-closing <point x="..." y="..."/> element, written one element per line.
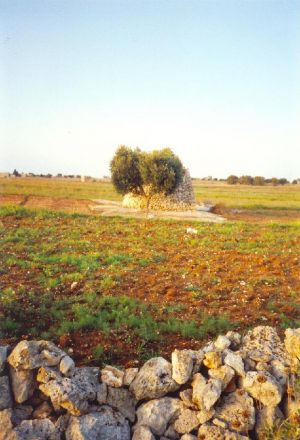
<point x="183" y="199"/>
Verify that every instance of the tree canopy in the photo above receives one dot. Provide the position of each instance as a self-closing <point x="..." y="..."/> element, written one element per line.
<point x="146" y="174"/>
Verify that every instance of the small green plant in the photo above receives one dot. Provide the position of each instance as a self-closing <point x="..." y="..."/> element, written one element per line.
<point x="107" y="283"/>
<point x="213" y="325"/>
<point x="285" y="430"/>
<point x="98" y="352"/>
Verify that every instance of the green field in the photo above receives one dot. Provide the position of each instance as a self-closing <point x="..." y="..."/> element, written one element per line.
<point x="116" y="288"/>
<point x="233" y="196"/>
<point x="129" y="288"/>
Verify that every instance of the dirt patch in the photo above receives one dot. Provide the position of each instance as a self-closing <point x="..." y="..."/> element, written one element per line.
<point x="103" y="207"/>
<point x="51" y="203"/>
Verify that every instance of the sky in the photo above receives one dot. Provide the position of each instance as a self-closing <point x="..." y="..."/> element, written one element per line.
<point x="218" y="81"/>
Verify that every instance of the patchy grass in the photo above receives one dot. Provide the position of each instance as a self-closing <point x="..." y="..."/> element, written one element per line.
<point x="252" y="198"/>
<point x="59" y="188"/>
<point x="138" y="287"/>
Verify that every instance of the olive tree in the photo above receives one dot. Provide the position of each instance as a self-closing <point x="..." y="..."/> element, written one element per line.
<point x="146" y="174"/>
<point x="125" y="170"/>
<point x="161" y="172"/>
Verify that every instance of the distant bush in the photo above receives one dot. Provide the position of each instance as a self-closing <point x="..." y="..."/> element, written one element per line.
<point x="274" y="181"/>
<point x="232" y="179"/>
<point x="259" y="180"/>
<point x="246" y="180"/>
<point x="283" y="181"/>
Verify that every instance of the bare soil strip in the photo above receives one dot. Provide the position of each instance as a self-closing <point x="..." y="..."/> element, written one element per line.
<point x="105" y="208"/>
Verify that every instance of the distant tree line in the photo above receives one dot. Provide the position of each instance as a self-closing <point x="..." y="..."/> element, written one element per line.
<point x="48" y="175"/>
<point x="257" y="180"/>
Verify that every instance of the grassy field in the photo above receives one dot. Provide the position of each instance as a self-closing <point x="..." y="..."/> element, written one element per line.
<point x="233" y="196"/>
<point x="125" y="289"/>
<point x="250" y="197"/>
<point x="58" y="188"/>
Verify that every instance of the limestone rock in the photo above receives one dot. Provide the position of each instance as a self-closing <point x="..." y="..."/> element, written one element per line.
<point x="102" y="393"/>
<point x="171" y="433"/>
<point x="238" y="411"/>
<point x="67" y="366"/>
<point x="187" y="397"/>
<point x="205" y="393"/>
<point x="129" y="376"/>
<point x="186" y="422"/>
<point x="204" y="416"/>
<point x="20" y="413"/>
<point x="23" y="384"/>
<point x="48" y="373"/>
<point x="154" y="380"/>
<point x="157" y="413"/>
<point x="143" y="433"/>
<point x="263" y="344"/>
<point x="259" y="356"/>
<point x="42" y="411"/>
<point x="249" y="364"/>
<point x="28" y="355"/>
<point x="5" y="393"/>
<point x="123" y="400"/>
<point x="279" y="370"/>
<point x="3" y="357"/>
<point x="212" y="359"/>
<point x="235" y="339"/>
<point x="188" y="437"/>
<point x="198" y="360"/>
<point x="225" y="374"/>
<point x="112" y="376"/>
<point x="104" y="424"/>
<point x="263" y="366"/>
<point x="182" y="365"/>
<point x="222" y="342"/>
<point x="61" y="424"/>
<point x="263" y="387"/>
<point x="73" y="393"/>
<point x="211" y="432"/>
<point x="292" y="342"/>
<point x="185" y="363"/>
<point x="219" y="422"/>
<point x="210" y="346"/>
<point x="36" y="430"/>
<point x="236" y="362"/>
<point x="6" y="425"/>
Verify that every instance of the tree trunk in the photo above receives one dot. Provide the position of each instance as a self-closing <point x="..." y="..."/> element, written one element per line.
<point x="147" y="205"/>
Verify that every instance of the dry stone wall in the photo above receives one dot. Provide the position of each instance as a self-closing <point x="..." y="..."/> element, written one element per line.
<point x="183" y="199"/>
<point x="232" y="389"/>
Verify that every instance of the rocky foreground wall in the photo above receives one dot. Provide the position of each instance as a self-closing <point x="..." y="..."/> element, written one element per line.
<point x="231" y="389"/>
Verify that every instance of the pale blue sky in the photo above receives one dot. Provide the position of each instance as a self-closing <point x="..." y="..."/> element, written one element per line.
<point x="218" y="81"/>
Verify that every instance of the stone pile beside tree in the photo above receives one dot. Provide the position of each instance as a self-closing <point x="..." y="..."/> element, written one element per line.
<point x="182" y="199"/>
<point x="233" y="388"/>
